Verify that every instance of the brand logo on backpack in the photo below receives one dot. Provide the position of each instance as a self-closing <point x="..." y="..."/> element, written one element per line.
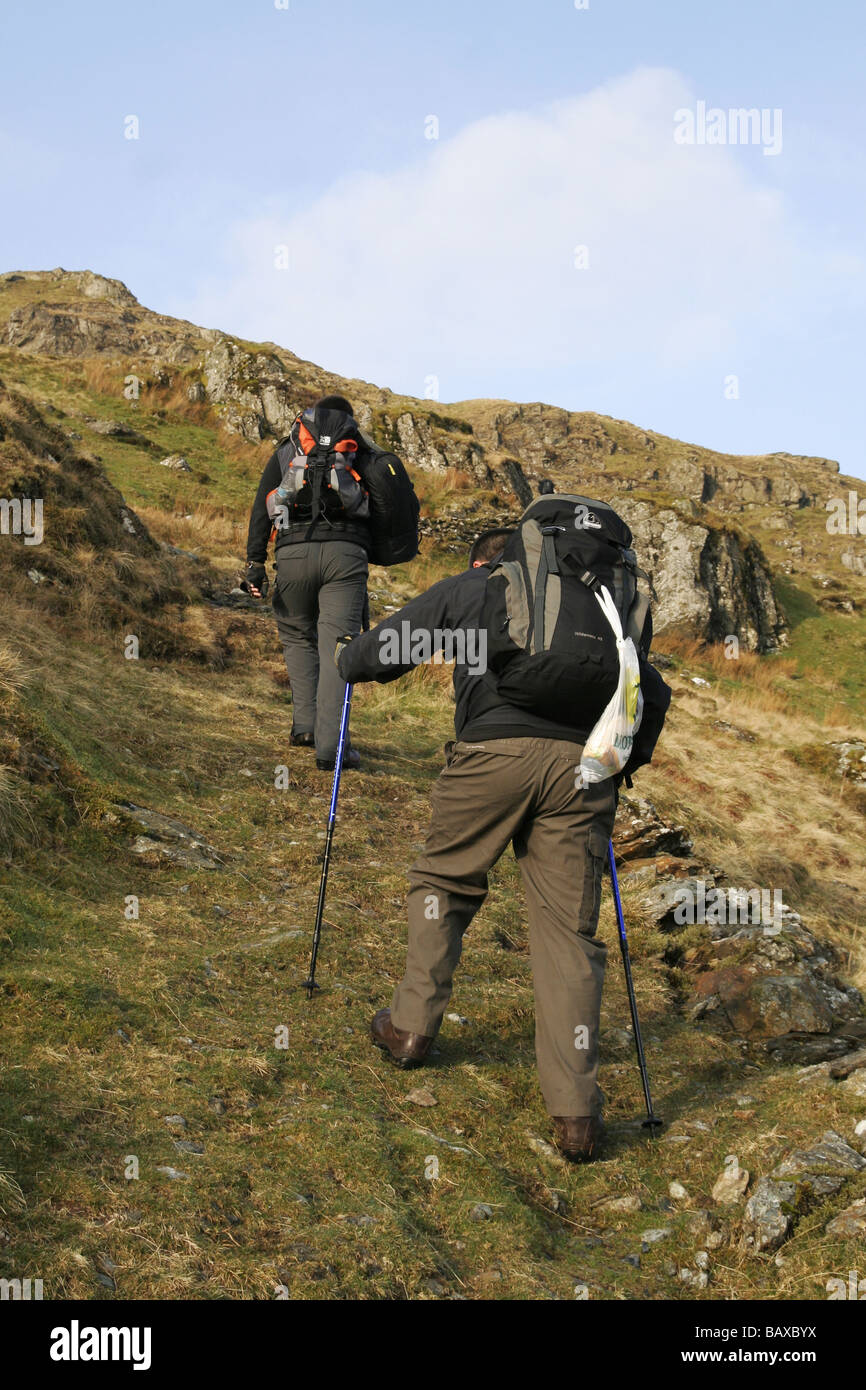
<point x="584" y="519"/>
<point x="320" y="485"/>
<point x="551" y="648"/>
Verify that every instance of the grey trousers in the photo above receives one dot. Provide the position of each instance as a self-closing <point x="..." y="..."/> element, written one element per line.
<point x="520" y="790"/>
<point x="319" y="594"/>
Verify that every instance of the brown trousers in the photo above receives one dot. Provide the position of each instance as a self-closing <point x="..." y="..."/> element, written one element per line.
<point x="519" y="790"/>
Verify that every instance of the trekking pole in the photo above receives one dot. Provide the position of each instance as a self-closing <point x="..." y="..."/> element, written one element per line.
<point x="652" y="1121"/>
<point x="310" y="983"/>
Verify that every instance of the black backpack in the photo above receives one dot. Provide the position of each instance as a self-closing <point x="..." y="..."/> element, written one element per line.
<point x="331" y="473"/>
<point x="320" y="480"/>
<point x="394" y="506"/>
<point x="549" y="646"/>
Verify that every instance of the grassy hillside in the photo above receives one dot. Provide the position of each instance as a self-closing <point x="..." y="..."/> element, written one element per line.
<point x="157" y="1139"/>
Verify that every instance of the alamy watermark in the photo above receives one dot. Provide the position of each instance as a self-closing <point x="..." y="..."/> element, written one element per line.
<point x="853" y="1288"/>
<point x="77" y="1343"/>
<point x="847" y="515"/>
<point x="736" y="126"/>
<point x="22" y="516"/>
<point x="414" y="646"/>
<point x="737" y="906"/>
<point x="20" y="1290"/>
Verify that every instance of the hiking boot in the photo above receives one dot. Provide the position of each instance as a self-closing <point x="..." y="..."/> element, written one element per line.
<point x="577" y="1137"/>
<point x="351" y="761"/>
<point x="302" y="740"/>
<point x="406" y="1049"/>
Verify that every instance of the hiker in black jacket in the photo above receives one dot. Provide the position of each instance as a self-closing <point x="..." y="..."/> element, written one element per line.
<point x="510" y="776"/>
<point x="320" y="591"/>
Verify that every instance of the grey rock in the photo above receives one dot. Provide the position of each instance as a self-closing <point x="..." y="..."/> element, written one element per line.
<point x="420" y="1096"/>
<point x="545" y="1150"/>
<point x="175" y="1121"/>
<point x="116" y="429"/>
<point x="850" y="1223"/>
<point x="176" y="462"/>
<point x="830" y="1156"/>
<point x="174" y="1173"/>
<point x="627" y="1204"/>
<point x="641" y="833"/>
<point x="855" y="1085"/>
<point x="766" y="1225"/>
<point x="730" y="1187"/>
<point x="168" y="838"/>
<point x="481" y="1212"/>
<point x="189" y="1146"/>
<point x="655" y="1234"/>
<point x="706" y="579"/>
<point x="851" y="755"/>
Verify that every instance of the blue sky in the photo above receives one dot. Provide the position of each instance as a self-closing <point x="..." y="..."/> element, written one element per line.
<point x="720" y="294"/>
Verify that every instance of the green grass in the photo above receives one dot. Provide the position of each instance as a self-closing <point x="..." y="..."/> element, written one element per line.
<point x="316" y="1170"/>
<point x="313" y="1171"/>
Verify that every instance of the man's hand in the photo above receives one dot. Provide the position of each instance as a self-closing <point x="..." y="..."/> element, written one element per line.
<point x="341" y="646"/>
<point x="256" y="580"/>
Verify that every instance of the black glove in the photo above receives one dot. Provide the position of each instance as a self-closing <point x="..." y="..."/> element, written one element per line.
<point x="342" y="643"/>
<point x="256" y="581"/>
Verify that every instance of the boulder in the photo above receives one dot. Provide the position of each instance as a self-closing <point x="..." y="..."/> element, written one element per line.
<point x="730" y="1187"/>
<point x="708" y="580"/>
<point x="640" y="833"/>
<point x="769" y="1215"/>
<point x="168" y="839"/>
<point x="777" y="987"/>
<point x="850" y="1223"/>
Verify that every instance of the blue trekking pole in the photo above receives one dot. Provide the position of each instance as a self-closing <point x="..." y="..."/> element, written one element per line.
<point x="652" y="1121"/>
<point x="310" y="983"/>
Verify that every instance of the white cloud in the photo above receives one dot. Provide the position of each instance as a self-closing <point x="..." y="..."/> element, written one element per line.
<point x="467" y="255"/>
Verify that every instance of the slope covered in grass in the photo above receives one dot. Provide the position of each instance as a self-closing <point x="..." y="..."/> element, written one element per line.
<point x="176" y="1119"/>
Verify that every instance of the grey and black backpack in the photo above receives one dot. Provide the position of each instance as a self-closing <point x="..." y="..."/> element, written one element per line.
<point x="335" y="478"/>
<point x="550" y="648"/>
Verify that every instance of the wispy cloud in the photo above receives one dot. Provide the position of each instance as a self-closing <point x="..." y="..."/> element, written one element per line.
<point x="468" y="254"/>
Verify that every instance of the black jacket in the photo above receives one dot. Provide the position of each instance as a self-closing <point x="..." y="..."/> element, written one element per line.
<point x="454" y="604"/>
<point x="261" y="525"/>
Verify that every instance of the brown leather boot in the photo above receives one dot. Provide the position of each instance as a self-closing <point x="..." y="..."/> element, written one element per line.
<point x="406" y="1049"/>
<point x="577" y="1136"/>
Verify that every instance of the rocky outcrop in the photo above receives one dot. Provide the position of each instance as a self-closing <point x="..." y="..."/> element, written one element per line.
<point x="252" y="391"/>
<point x="711" y="575"/>
<point x="165" y="839"/>
<point x="707" y="579"/>
<point x="803" y="1177"/>
<point x="111" y="324"/>
<point x="758" y="975"/>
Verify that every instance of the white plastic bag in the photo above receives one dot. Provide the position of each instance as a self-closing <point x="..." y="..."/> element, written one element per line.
<point x="608" y="747"/>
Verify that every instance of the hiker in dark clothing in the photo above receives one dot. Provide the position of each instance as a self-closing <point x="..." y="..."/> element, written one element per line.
<point x="320" y="591"/>
<point x="509" y="777"/>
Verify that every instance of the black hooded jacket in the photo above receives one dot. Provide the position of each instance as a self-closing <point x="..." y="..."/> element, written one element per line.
<point x="261" y="525"/>
<point x="454" y="605"/>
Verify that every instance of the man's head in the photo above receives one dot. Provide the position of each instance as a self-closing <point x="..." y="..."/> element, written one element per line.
<point x="488" y="546"/>
<point x="335" y="403"/>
